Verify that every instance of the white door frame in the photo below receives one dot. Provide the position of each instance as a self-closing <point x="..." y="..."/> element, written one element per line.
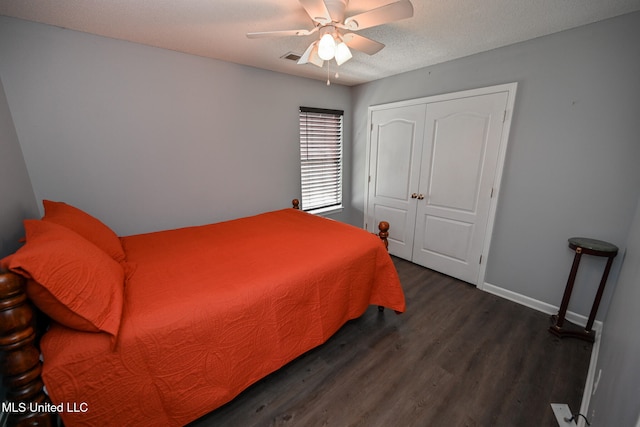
<point x="510" y="88"/>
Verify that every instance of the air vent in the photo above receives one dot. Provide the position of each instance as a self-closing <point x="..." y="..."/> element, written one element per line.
<point x="291" y="56"/>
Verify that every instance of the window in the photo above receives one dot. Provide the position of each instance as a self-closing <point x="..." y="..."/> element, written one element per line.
<point x="321" y="159"/>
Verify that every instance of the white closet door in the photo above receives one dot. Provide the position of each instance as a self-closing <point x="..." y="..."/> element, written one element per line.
<point x="394" y="171"/>
<point x="459" y="162"/>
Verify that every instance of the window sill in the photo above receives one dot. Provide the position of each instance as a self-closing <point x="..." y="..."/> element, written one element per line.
<point x="326" y="211"/>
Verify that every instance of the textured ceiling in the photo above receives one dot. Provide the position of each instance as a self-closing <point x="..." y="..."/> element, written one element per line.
<point x="439" y="30"/>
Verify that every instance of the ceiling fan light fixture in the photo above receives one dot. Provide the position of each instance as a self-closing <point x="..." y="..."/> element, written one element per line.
<point x="314" y="58"/>
<point x="337" y="34"/>
<point x="327" y="47"/>
<point x="310" y="56"/>
<point x="343" y="54"/>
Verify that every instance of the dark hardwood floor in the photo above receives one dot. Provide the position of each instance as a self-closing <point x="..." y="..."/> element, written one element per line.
<point x="457" y="357"/>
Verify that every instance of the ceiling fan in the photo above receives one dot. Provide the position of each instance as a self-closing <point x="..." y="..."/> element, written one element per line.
<point x="337" y="33"/>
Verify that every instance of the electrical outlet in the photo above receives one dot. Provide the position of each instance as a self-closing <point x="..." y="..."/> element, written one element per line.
<point x="563" y="413"/>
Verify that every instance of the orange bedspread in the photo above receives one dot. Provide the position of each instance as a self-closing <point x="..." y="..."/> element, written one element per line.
<point x="209" y="310"/>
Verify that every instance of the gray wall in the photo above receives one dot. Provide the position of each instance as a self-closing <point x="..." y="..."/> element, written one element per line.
<point x="616" y="400"/>
<point x="17" y="201"/>
<point x="148" y="139"/>
<point x="571" y="167"/>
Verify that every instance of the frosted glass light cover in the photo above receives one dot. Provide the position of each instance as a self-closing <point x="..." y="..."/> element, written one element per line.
<point x="327" y="47"/>
<point x="343" y="54"/>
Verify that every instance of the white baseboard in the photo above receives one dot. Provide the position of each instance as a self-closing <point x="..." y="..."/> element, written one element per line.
<point x="572" y="317"/>
<point x="575" y="318"/>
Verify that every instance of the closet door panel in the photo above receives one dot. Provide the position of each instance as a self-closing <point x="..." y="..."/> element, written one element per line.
<point x="459" y="161"/>
<point x="434" y="171"/>
<point x="394" y="171"/>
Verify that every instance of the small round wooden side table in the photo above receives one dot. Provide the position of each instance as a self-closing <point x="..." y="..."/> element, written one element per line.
<point x="583" y="245"/>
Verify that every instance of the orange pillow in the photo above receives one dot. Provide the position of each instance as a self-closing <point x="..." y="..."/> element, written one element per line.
<point x="85" y="225"/>
<point x="73" y="281"/>
<point x="55" y="309"/>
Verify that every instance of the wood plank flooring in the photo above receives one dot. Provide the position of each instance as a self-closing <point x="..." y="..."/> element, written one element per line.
<point x="457" y="357"/>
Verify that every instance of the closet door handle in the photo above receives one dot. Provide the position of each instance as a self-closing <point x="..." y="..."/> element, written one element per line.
<point x="420" y="196"/>
<point x="414" y="196"/>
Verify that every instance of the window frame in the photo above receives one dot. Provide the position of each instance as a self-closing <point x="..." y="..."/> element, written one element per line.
<point x="326" y="136"/>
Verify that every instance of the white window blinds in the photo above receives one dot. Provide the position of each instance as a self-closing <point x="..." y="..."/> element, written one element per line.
<point x="321" y="158"/>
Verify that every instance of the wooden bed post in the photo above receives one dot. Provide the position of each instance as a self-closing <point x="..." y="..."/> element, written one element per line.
<point x="19" y="358"/>
<point x="384" y="233"/>
<point x="383" y="226"/>
<point x="295" y="203"/>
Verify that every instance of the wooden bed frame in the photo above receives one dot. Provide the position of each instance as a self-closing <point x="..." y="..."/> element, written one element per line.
<point x="21" y="325"/>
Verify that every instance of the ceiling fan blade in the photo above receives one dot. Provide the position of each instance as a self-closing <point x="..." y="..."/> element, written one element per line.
<point x="317" y="10"/>
<point x="284" y="33"/>
<point x="311" y="56"/>
<point x="391" y="12"/>
<point x="363" y="44"/>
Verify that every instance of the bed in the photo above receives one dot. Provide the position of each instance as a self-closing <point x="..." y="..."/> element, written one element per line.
<point x="162" y="328"/>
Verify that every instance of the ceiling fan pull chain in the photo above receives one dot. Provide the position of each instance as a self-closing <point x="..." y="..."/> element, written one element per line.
<point x="328" y="72"/>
